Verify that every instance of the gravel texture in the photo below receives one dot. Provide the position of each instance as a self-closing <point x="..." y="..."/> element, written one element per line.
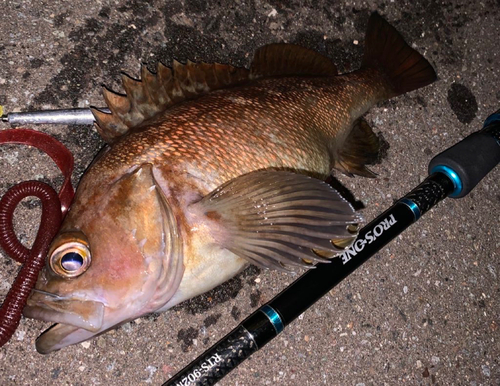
<point x="424" y="311"/>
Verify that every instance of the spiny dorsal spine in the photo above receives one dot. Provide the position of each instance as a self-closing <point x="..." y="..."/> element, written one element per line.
<point x="156" y="92"/>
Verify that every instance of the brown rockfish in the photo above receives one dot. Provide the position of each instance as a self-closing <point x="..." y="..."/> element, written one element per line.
<point x="210" y="167"/>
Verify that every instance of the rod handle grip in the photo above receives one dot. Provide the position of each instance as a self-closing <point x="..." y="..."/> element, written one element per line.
<point x="470" y="160"/>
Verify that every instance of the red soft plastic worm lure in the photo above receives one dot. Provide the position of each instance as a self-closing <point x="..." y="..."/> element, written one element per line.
<point x="54" y="208"/>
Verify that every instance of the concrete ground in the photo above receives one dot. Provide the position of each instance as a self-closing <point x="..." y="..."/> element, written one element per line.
<point x="424" y="311"/>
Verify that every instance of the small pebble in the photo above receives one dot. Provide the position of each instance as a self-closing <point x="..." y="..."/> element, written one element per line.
<point x="20" y="334"/>
<point x="273" y="13"/>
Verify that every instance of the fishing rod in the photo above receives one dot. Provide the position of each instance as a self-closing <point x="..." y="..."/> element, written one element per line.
<point x="452" y="173"/>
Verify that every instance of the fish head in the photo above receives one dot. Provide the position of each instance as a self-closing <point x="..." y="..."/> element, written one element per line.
<point x="117" y="257"/>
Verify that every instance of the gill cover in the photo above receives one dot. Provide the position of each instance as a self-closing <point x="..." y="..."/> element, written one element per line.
<point x="143" y="212"/>
<point x="136" y="263"/>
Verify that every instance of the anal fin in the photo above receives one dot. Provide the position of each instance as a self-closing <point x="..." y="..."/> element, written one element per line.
<point x="276" y="219"/>
<point x="361" y="148"/>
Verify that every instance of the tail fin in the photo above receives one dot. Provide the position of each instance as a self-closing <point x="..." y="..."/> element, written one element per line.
<point x="386" y="51"/>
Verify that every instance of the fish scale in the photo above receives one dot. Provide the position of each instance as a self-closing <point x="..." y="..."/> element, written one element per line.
<point x="239" y="137"/>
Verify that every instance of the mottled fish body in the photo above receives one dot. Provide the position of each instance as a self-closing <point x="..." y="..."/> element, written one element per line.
<point x="209" y="168"/>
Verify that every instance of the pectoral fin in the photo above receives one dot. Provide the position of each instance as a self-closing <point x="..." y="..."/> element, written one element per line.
<point x="275" y="219"/>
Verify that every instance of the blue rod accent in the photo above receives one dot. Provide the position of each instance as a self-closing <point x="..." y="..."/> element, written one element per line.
<point x="452" y="175"/>
<point x="273" y="317"/>
<point x="414" y="207"/>
<point x="492" y="118"/>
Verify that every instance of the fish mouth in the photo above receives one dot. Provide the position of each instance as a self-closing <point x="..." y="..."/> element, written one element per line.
<point x="59" y="336"/>
<point x="86" y="314"/>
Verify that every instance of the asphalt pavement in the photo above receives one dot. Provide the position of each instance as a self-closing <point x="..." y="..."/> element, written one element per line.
<point x="423" y="311"/>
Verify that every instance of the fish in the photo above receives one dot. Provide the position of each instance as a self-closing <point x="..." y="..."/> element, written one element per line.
<point x="209" y="168"/>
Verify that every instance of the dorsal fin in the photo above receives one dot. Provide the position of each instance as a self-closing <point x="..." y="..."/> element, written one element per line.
<point x="281" y="59"/>
<point x="155" y="93"/>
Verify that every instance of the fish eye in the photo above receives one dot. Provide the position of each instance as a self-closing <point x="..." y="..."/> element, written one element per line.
<point x="70" y="259"/>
